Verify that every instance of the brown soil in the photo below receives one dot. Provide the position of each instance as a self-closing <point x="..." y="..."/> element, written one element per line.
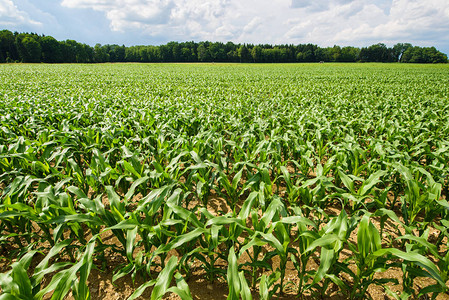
<point x="101" y="285"/>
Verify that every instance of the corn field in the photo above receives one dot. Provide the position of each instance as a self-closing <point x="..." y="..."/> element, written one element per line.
<point x="338" y="173"/>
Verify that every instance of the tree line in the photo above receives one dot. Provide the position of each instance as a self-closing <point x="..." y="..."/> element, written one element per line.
<point x="34" y="48"/>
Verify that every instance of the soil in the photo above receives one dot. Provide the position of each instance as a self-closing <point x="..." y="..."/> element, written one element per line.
<point x="101" y="285"/>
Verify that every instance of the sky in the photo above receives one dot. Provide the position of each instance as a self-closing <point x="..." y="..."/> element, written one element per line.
<point x="152" y="22"/>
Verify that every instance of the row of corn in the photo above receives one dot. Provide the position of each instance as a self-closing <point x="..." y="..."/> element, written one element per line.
<point x="236" y="173"/>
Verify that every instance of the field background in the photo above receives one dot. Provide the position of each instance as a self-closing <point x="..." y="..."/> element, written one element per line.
<point x="236" y="180"/>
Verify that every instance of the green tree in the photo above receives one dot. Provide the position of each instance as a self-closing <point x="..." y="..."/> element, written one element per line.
<point x="320" y="54"/>
<point x="432" y="55"/>
<point x="144" y="54"/>
<point x="29" y="48"/>
<point x="284" y="54"/>
<point x="165" y="53"/>
<point x="100" y="54"/>
<point x="175" y="51"/>
<point x="154" y="54"/>
<point x="232" y="55"/>
<point x="217" y="52"/>
<point x="51" y="50"/>
<point x="187" y="54"/>
<point x="69" y="51"/>
<point x="7" y="47"/>
<point x="375" y="53"/>
<point x="203" y="53"/>
<point x="131" y="54"/>
<point x="335" y="53"/>
<point x="84" y="54"/>
<point x="349" y="54"/>
<point x="423" y="55"/>
<point x="244" y="54"/>
<point x="306" y="53"/>
<point x="120" y="53"/>
<point x="399" y="49"/>
<point x="256" y="53"/>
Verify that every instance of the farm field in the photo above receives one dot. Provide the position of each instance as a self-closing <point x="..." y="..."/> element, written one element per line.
<point x="213" y="181"/>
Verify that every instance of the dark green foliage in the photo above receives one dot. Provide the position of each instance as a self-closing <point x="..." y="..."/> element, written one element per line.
<point x="26" y="47"/>
<point x="423" y="55"/>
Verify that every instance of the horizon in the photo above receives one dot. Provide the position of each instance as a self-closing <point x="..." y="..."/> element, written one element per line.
<point x="224" y="42"/>
<point x="356" y="23"/>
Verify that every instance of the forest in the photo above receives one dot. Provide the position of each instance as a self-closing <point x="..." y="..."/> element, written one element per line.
<point x="35" y="48"/>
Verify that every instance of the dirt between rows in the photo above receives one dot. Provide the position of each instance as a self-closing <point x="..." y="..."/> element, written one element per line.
<point x="101" y="285"/>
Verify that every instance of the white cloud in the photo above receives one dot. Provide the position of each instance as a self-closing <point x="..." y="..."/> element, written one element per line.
<point x="326" y="22"/>
<point x="253" y="24"/>
<point x="128" y="14"/>
<point x="361" y="22"/>
<point x="10" y="15"/>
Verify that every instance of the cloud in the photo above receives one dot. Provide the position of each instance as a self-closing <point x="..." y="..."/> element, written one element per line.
<point x="361" y="22"/>
<point x="199" y="18"/>
<point x="131" y="14"/>
<point x="301" y="3"/>
<point x="253" y="24"/>
<point x="11" y="15"/>
<point x="325" y="22"/>
<point x="126" y="14"/>
<point x="317" y="5"/>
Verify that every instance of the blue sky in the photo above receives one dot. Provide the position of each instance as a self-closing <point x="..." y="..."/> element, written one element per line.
<point x="152" y="22"/>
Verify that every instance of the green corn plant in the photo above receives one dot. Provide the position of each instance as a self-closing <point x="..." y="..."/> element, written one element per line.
<point x="238" y="286"/>
<point x="278" y="237"/>
<point x="413" y="265"/>
<point x="332" y="239"/>
<point x="188" y="232"/>
<point x="368" y="242"/>
<point x="256" y="264"/>
<point x="64" y="280"/>
<point x="208" y="253"/>
<point x="17" y="284"/>
<point x="439" y="272"/>
<point x="162" y="283"/>
<point x="254" y="242"/>
<point x="363" y="192"/>
<point x="138" y="153"/>
<point x="267" y="285"/>
<point x="232" y="189"/>
<point x="283" y="244"/>
<point x="315" y="191"/>
<point x="100" y="172"/>
<point x="260" y="182"/>
<point x="265" y="234"/>
<point x="51" y="204"/>
<point x="293" y="191"/>
<point x="74" y="170"/>
<point x="232" y="229"/>
<point x="303" y="161"/>
<point x="224" y="230"/>
<point x="419" y="197"/>
<point x="307" y="233"/>
<point x="150" y="214"/>
<point x="201" y="177"/>
<point x="352" y="156"/>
